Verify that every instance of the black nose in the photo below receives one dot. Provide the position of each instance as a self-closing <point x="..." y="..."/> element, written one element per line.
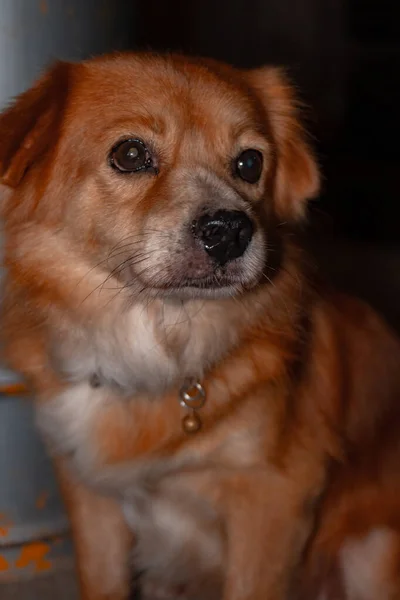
<point x="225" y="235"/>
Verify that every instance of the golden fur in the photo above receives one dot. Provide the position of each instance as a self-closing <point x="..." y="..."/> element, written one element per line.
<point x="295" y="472"/>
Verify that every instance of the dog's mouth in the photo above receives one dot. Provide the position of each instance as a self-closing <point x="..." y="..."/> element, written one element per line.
<point x="217" y="256"/>
<point x="206" y="287"/>
<point x="199" y="277"/>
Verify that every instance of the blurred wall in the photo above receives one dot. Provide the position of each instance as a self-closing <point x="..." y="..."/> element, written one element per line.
<point x="35" y="32"/>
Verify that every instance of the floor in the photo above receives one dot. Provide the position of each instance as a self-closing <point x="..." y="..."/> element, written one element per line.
<point x="60" y="586"/>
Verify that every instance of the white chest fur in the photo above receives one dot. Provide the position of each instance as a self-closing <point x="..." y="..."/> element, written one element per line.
<point x="121" y="349"/>
<point x="146" y="349"/>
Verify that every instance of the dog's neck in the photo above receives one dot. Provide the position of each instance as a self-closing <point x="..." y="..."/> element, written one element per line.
<point x="149" y="348"/>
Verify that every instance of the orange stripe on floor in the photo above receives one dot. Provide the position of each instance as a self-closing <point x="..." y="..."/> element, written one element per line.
<point x="34" y="554"/>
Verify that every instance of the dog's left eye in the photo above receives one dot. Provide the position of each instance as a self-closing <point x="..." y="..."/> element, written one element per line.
<point x="248" y="165"/>
<point x="131" y="156"/>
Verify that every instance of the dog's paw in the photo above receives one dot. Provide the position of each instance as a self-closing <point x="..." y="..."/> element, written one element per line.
<point x="151" y="587"/>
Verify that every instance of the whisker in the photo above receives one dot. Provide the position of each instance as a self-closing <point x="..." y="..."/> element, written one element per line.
<point x="119" y="268"/>
<point x="131" y="261"/>
<point x="121" y="246"/>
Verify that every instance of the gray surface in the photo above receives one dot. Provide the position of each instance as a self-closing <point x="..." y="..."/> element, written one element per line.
<point x="26" y="475"/>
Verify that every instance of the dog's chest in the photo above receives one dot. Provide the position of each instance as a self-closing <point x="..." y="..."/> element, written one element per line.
<point x="163" y="501"/>
<point x="128" y="415"/>
<point x="129" y="360"/>
<point x="95" y="426"/>
<point x="124" y="349"/>
<point x="145" y="349"/>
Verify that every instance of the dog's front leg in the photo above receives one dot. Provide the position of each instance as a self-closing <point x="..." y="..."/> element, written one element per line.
<point x="268" y="522"/>
<point x="102" y="540"/>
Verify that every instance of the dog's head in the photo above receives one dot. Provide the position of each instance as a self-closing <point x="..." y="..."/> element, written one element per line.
<point x="169" y="172"/>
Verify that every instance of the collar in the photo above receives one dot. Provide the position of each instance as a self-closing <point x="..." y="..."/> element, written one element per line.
<point x="192" y="396"/>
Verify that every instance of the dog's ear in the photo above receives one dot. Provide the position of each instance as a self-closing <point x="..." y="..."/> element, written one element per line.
<point x="297" y="175"/>
<point x="31" y="123"/>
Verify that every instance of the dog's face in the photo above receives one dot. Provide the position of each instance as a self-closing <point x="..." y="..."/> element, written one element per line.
<point x="170" y="173"/>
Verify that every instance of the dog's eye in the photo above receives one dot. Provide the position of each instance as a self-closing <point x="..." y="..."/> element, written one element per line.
<point x="130" y="156"/>
<point x="249" y="165"/>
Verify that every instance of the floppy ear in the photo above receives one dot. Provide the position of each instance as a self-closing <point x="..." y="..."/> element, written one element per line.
<point x="29" y="125"/>
<point x="297" y="175"/>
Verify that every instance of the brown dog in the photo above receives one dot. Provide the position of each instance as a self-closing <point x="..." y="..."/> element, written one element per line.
<point x="182" y="358"/>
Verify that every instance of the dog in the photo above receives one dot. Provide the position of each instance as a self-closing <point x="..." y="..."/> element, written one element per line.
<point x="204" y="395"/>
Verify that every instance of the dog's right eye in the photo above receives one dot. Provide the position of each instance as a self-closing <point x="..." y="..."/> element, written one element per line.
<point x="131" y="156"/>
